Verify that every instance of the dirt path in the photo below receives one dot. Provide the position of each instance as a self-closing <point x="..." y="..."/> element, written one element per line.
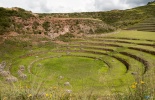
<point x="76" y="19"/>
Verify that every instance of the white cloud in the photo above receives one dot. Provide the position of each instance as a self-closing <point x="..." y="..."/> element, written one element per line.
<point x="54" y="6"/>
<point x="13" y="3"/>
<point x="118" y="4"/>
<point x="57" y="6"/>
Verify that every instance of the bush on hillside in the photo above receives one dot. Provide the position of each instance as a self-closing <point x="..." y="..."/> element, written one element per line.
<point x="66" y="37"/>
<point x="5" y="19"/>
<point x="151" y="2"/>
<point x="35" y="25"/>
<point x="46" y="25"/>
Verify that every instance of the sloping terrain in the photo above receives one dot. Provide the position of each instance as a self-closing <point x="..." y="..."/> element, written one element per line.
<point x="5" y="18"/>
<point x="25" y="22"/>
<point x="54" y="27"/>
<point x="146" y="25"/>
<point x="116" y="18"/>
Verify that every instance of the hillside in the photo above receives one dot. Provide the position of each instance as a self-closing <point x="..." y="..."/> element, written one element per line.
<point x="21" y="21"/>
<point x="6" y="15"/>
<point x="70" y="56"/>
<point x="54" y="27"/>
<point x="116" y="18"/>
<point x="25" y="22"/>
<point x="146" y="25"/>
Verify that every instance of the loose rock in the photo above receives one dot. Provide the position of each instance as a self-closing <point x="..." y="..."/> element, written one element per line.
<point x="4" y="73"/>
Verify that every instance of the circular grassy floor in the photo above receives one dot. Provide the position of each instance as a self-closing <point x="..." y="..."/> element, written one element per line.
<point x="81" y="72"/>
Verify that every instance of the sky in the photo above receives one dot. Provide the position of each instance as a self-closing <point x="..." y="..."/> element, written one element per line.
<point x="67" y="6"/>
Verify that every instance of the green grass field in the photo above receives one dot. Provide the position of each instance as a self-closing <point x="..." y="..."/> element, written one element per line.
<point x="93" y="67"/>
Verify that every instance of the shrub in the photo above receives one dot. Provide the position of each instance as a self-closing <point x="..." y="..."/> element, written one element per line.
<point x="37" y="31"/>
<point x="151" y="2"/>
<point x="104" y="29"/>
<point x="5" y="19"/>
<point x="66" y="37"/>
<point x="46" y="25"/>
<point x="35" y="25"/>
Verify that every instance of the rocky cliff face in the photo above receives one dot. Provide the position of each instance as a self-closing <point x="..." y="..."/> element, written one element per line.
<point x="54" y="27"/>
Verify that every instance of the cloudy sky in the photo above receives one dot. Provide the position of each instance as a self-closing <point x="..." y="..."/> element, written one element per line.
<point x="63" y="6"/>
